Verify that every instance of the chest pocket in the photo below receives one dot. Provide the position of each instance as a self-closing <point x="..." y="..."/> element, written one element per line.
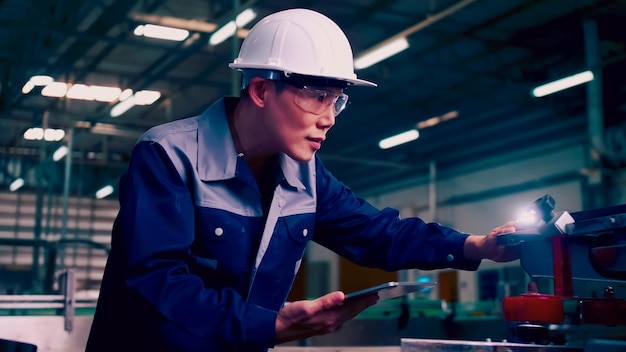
<point x="288" y="243"/>
<point x="226" y="240"/>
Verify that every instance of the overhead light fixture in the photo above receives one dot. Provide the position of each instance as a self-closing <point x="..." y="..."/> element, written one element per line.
<point x="380" y="53"/>
<point x="230" y="28"/>
<point x="146" y="97"/>
<point x="60" y="153"/>
<point x="104" y="192"/>
<point x="34" y="81"/>
<point x="142" y="97"/>
<point x="161" y="32"/>
<point x="97" y="93"/>
<point x="127" y="93"/>
<point x="561" y="84"/>
<point x="17" y="184"/>
<point x="72" y="91"/>
<point x="49" y="134"/>
<point x="435" y="120"/>
<point x="122" y="107"/>
<point x="55" y="90"/>
<point x="175" y="22"/>
<point x="398" y="139"/>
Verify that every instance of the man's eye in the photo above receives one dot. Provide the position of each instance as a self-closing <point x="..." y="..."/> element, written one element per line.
<point x="321" y="97"/>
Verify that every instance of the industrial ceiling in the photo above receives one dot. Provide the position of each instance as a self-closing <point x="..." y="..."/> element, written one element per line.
<point x="475" y="59"/>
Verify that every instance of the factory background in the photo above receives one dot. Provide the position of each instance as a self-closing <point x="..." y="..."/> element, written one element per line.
<point x="463" y="82"/>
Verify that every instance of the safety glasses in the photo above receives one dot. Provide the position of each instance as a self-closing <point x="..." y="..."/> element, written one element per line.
<point x="316" y="101"/>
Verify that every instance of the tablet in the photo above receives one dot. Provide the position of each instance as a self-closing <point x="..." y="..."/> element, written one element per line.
<point x="390" y="290"/>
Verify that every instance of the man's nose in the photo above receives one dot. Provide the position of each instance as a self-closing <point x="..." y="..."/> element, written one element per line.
<point x="327" y="118"/>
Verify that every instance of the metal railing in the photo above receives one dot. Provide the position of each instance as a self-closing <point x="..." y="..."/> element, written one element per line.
<point x="65" y="303"/>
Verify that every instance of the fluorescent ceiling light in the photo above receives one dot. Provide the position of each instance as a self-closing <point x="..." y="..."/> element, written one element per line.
<point x="127" y="93"/>
<point x="41" y="80"/>
<point x="34" y="81"/>
<point x="562" y="84"/>
<point x="161" y="32"/>
<point x="146" y="97"/>
<point x="168" y="21"/>
<point x="53" y="135"/>
<point x="34" y="134"/>
<point x="60" y="153"/>
<point x="123" y="106"/>
<point x="17" y="184"/>
<point x="142" y="97"/>
<point x="381" y="53"/>
<point x="79" y="91"/>
<point x="104" y="191"/>
<point x="97" y="93"/>
<point x="398" y="139"/>
<point x="437" y="120"/>
<point x="55" y="90"/>
<point x="73" y="91"/>
<point x="229" y="28"/>
<point x="28" y="86"/>
<point x="38" y="133"/>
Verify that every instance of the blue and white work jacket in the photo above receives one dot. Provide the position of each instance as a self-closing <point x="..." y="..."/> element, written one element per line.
<point x="197" y="265"/>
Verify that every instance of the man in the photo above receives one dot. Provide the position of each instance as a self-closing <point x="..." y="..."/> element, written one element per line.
<point x="216" y="210"/>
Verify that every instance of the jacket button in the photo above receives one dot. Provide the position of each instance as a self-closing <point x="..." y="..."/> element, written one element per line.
<point x="281" y="203"/>
<point x="450" y="257"/>
<point x="219" y="231"/>
<point x="305" y="232"/>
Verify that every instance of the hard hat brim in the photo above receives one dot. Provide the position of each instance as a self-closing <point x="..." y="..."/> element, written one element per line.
<point x="351" y="81"/>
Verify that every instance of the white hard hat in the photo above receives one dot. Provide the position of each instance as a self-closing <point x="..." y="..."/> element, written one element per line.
<point x="299" y="41"/>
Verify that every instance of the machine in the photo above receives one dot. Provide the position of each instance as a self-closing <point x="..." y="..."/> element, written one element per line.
<point x="587" y="246"/>
<point x="583" y="256"/>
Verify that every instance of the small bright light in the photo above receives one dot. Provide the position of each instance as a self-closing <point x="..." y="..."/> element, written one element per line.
<point x="223" y="33"/>
<point x="245" y="17"/>
<point x="123" y="106"/>
<point x="55" y="90"/>
<point x="28" y="86"/>
<point x="146" y="97"/>
<point x="50" y="134"/>
<point x="229" y="28"/>
<point x="105" y="94"/>
<point x="562" y="84"/>
<point x="398" y="139"/>
<point x="17" y="184"/>
<point x="138" y="30"/>
<point x="528" y="217"/>
<point x="381" y="53"/>
<point x="80" y="91"/>
<point x="41" y="80"/>
<point x="60" y="153"/>
<point x="35" y="81"/>
<point x="162" y="32"/>
<point x="104" y="192"/>
<point x="34" y="134"/>
<point x="127" y="93"/>
<point x="53" y="135"/>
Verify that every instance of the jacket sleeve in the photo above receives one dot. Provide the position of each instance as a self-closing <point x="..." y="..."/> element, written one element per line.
<point x="155" y="229"/>
<point x="356" y="230"/>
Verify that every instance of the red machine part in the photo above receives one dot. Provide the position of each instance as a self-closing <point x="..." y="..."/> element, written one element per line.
<point x="533" y="307"/>
<point x="604" y="311"/>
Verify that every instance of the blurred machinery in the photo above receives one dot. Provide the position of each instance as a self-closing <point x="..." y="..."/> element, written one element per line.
<point x="568" y="248"/>
<point x="589" y="246"/>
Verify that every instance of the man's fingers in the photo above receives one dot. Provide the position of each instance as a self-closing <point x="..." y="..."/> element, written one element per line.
<point x="331" y="300"/>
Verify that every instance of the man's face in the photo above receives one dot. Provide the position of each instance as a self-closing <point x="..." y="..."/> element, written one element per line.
<point x="298" y="132"/>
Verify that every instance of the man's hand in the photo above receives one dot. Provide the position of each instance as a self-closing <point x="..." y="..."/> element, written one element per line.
<point x="486" y="247"/>
<point x="302" y="319"/>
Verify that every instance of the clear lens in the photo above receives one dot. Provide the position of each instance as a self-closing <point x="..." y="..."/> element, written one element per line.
<point x="316" y="100"/>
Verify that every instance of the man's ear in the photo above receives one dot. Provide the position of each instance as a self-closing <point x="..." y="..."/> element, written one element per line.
<point x="257" y="90"/>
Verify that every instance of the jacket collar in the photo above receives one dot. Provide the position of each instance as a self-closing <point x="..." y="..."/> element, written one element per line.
<point x="217" y="157"/>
